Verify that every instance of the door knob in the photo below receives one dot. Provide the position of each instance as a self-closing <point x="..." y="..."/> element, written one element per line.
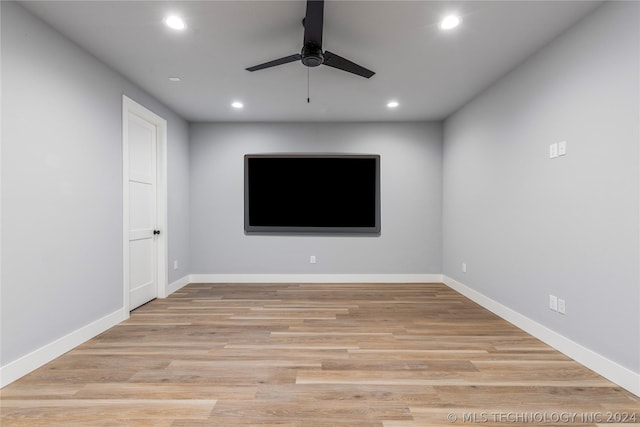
<point x="156" y="232"/>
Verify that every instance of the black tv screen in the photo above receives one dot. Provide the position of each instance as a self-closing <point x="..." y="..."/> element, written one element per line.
<point x="312" y="193"/>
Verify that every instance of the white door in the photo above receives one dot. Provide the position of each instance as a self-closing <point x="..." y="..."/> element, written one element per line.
<point x="143" y="233"/>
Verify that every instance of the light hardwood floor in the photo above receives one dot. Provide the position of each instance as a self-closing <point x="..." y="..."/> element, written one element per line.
<point x="353" y="355"/>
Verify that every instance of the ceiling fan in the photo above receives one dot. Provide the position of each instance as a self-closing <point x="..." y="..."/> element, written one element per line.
<point x="311" y="54"/>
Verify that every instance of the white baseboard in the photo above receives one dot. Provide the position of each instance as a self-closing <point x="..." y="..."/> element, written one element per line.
<point x="316" y="278"/>
<point x="32" y="361"/>
<point x="609" y="369"/>
<point x="178" y="284"/>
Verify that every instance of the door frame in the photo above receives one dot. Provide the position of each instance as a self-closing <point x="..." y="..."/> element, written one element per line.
<point x="130" y="106"/>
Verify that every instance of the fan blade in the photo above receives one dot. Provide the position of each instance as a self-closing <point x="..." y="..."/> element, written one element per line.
<point x="285" y="60"/>
<point x="313" y="22"/>
<point x="335" y="61"/>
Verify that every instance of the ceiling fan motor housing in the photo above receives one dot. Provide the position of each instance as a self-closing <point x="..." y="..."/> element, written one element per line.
<point x="312" y="56"/>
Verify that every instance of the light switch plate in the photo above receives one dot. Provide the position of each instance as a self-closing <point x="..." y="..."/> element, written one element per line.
<point x="562" y="148"/>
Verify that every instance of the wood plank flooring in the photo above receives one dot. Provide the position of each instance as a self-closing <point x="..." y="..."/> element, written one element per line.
<point x="384" y="355"/>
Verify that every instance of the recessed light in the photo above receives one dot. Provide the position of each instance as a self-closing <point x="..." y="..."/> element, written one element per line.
<point x="450" y="22"/>
<point x="237" y="105"/>
<point x="392" y="104"/>
<point x="174" y="79"/>
<point x="174" y="22"/>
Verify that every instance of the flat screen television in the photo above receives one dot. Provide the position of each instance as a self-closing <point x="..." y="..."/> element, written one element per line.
<point x="312" y="193"/>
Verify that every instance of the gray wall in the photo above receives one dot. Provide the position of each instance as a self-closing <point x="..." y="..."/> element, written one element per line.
<point x="529" y="226"/>
<point x="62" y="185"/>
<point x="411" y="186"/>
<point x="178" y="189"/>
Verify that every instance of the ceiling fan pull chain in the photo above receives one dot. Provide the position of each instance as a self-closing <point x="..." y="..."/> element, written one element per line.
<point x="308" y="96"/>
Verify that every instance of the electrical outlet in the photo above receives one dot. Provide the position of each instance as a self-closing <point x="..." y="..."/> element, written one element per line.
<point x="175" y="264"/>
<point x="562" y="307"/>
<point x="553" y="150"/>
<point x="464" y="267"/>
<point x="312" y="259"/>
<point x="553" y="302"/>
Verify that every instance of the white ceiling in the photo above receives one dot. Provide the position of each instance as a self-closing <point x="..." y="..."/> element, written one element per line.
<point x="430" y="72"/>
